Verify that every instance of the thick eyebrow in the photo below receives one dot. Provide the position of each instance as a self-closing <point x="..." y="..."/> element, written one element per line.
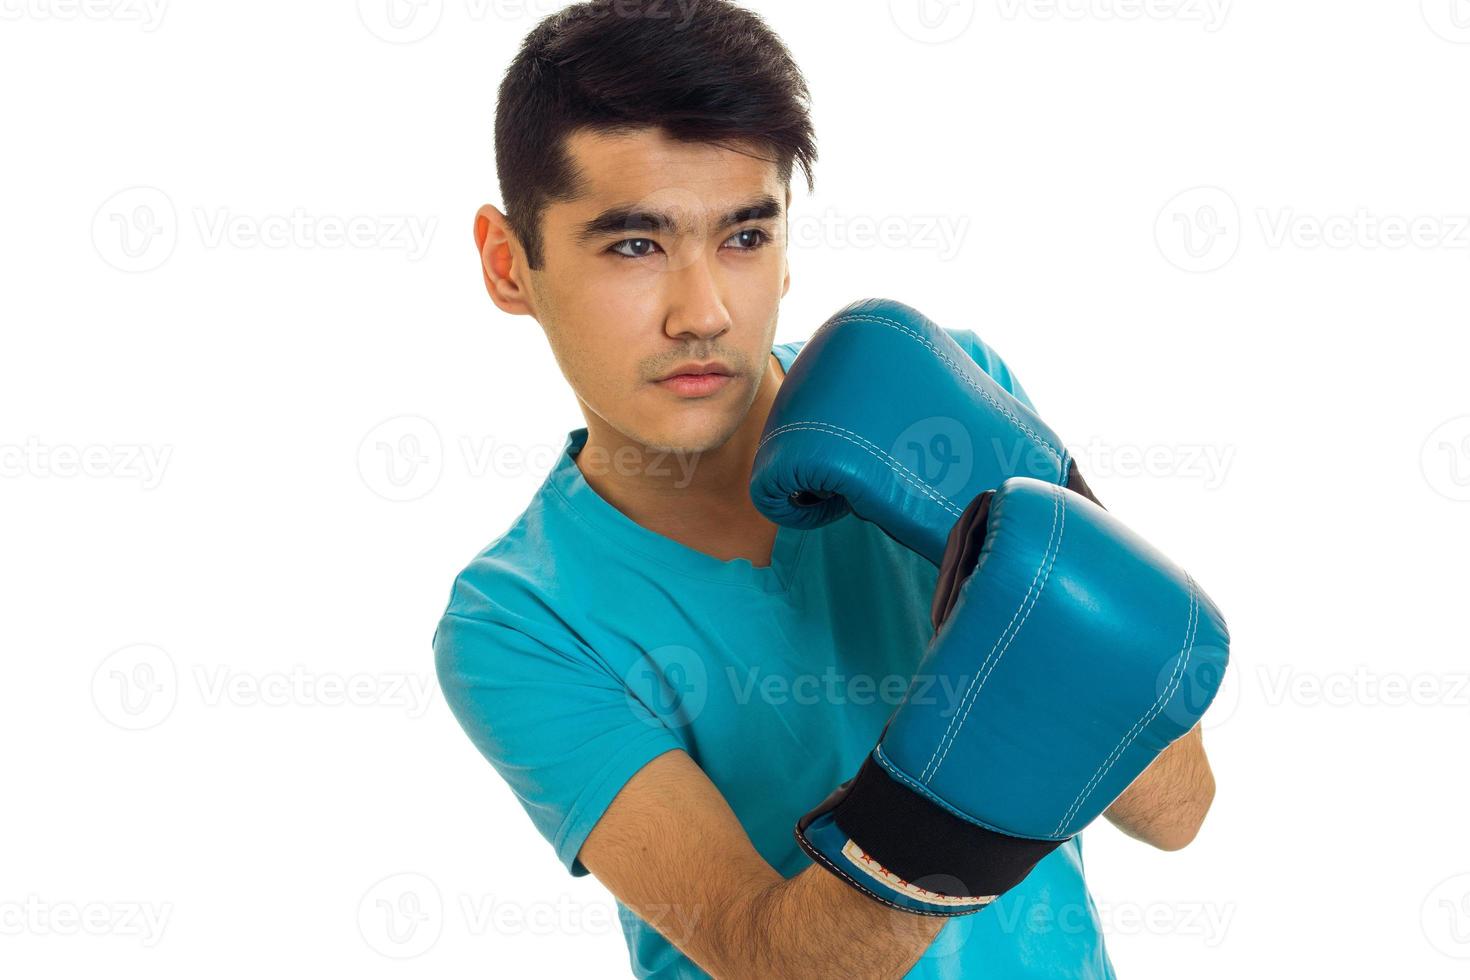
<point x="627" y="219"/>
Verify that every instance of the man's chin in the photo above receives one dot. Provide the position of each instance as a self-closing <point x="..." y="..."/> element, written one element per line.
<point x="685" y="446"/>
<point x="689" y="440"/>
<point x="694" y="429"/>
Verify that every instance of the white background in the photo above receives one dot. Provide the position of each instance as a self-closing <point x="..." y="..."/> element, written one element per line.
<point x="1224" y="246"/>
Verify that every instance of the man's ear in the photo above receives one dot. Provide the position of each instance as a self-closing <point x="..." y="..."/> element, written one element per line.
<point x="501" y="261"/>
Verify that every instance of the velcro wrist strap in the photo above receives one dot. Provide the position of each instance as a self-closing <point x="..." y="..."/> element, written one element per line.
<point x="899" y="833"/>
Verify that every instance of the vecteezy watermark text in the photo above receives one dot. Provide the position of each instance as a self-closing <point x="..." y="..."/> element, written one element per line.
<point x="122" y="461"/>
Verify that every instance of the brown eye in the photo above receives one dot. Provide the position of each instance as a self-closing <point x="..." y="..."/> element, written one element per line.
<point x="758" y="236"/>
<point x="639" y="247"/>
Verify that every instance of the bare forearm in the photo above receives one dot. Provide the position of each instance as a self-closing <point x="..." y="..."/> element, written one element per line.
<point x="814" y="925"/>
<point x="1167" y="803"/>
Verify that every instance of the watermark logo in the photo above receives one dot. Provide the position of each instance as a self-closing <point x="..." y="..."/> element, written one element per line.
<point x="404" y="458"/>
<point x="1207" y="463"/>
<point x="221" y="685"/>
<point x="1210" y="14"/>
<point x="1445" y="459"/>
<point x="122" y="461"/>
<point x="563" y="916"/>
<point x="139" y="686"/>
<point x="1208" y="695"/>
<point x="136" y="229"/>
<point x="402" y="916"/>
<point x="1363" y="687"/>
<point x="1199" y="229"/>
<point x="1445" y="917"/>
<point x="400" y="21"/>
<point x="834" y="687"/>
<point x="668" y="686"/>
<point x="225" y="228"/>
<point x="932" y="21"/>
<point x="34" y="916"/>
<point x="937" y="456"/>
<point x="408" y="21"/>
<point x="1362" y="229"/>
<point x="1450" y="19"/>
<point x="942" y="234"/>
<point x="136" y="687"/>
<point x="1207" y="922"/>
<point x="147" y="14"/>
<point x="401" y="458"/>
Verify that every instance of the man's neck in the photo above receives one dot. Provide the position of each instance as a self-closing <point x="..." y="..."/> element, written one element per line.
<point x="700" y="500"/>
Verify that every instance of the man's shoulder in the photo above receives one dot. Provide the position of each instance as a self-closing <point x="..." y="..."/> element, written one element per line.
<point x="507" y="611"/>
<point x="988" y="360"/>
<point x="786" y="353"/>
<point x="509" y="578"/>
<point x="490" y="584"/>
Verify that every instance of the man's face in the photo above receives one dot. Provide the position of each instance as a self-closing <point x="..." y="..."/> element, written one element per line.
<point x="671" y="260"/>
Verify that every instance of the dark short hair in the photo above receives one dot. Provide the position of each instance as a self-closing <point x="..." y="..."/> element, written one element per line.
<point x="704" y="71"/>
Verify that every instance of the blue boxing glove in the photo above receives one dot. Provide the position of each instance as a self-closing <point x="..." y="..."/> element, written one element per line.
<point x="885" y="415"/>
<point x="1079" y="653"/>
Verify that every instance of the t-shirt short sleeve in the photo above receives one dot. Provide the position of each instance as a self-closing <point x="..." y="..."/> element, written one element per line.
<point x="560" y="728"/>
<point x="991" y="363"/>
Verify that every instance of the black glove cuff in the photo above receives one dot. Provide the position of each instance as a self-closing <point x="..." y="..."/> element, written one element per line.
<point x="922" y="842"/>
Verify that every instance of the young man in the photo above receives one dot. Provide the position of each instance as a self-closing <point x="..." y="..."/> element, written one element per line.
<point x="666" y="679"/>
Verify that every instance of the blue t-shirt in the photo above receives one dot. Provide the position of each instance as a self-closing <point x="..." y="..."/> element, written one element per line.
<point x="580" y="645"/>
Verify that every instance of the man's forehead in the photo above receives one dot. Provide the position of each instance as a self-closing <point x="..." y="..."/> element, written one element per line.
<point x="695" y="184"/>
